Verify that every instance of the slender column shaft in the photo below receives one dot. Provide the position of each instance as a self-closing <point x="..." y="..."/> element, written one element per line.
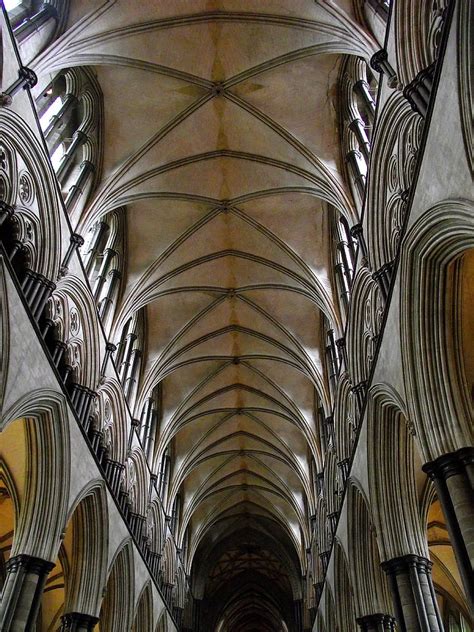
<point x="109" y="253"/>
<point x="415" y="604"/>
<point x="101" y="227"/>
<point x="452" y="476"/>
<point x="362" y="90"/>
<point x="358" y="177"/>
<point x="35" y="22"/>
<point x="78" y="140"/>
<point x="52" y="133"/>
<point x="107" y="301"/>
<point x="83" y="179"/>
<point x="357" y="126"/>
<point x="22" y="592"/>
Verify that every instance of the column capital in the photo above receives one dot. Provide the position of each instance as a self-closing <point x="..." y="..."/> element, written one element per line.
<point x="353" y="154"/>
<point x="28" y="76"/>
<point x="76" y="239"/>
<point x="115" y="274"/>
<point x="418" y="91"/>
<point x="356" y="230"/>
<point x="6" y="211"/>
<point x="78" y="621"/>
<point x="372" y="621"/>
<point x="87" y="165"/>
<point x="29" y="564"/>
<point x="378" y="59"/>
<point x="451" y="464"/>
<point x="383" y="277"/>
<point x="402" y="564"/>
<point x="379" y="62"/>
<point x="360" y="388"/>
<point x="81" y="136"/>
<point x="355" y="124"/>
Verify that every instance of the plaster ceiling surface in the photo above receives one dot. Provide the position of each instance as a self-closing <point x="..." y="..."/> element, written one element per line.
<point x="221" y="141"/>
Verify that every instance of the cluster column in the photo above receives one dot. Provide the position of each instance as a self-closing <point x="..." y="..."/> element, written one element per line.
<point x="453" y="477"/>
<point x="413" y="594"/>
<point x="22" y="592"/>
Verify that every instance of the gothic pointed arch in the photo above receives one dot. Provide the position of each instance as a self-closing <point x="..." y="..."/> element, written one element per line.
<point x="74" y="311"/>
<point x="41" y="415"/>
<point x="394" y="478"/>
<point x="371" y="594"/>
<point x="394" y="153"/>
<point x="343" y="591"/>
<point x="436" y="356"/>
<point x="162" y="625"/>
<point x="23" y="152"/>
<point x="363" y="328"/>
<point x="117" y="606"/>
<point x="143" y="618"/>
<point x="88" y="565"/>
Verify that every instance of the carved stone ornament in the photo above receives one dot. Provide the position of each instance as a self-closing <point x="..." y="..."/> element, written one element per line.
<point x="26" y="188"/>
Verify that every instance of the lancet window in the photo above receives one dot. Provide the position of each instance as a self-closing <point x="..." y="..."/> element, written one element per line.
<point x="102" y="255"/>
<point x="129" y="355"/>
<point x="149" y="421"/>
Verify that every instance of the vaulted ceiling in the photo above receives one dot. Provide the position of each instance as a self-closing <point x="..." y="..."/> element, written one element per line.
<point x="221" y="140"/>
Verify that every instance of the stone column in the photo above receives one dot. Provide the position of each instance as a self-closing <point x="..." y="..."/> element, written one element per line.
<point x="109" y="350"/>
<point x="22" y="592"/>
<point x="453" y="476"/>
<point x="376" y="623"/>
<point x="344" y="285"/>
<point x="379" y="62"/>
<point x="75" y="242"/>
<point x="358" y="233"/>
<point x="113" y="471"/>
<point x="6" y="212"/>
<point x="81" y="398"/>
<point x="358" y="127"/>
<point x="35" y="22"/>
<point x="362" y="89"/>
<point x="26" y="79"/>
<point x="196" y="614"/>
<point x="358" y="177"/>
<point x="344" y="468"/>
<point x="380" y="7"/>
<point x="78" y="622"/>
<point x="91" y="255"/>
<point x="298" y="614"/>
<point x="418" y="92"/>
<point x="168" y="592"/>
<point x="154" y="562"/>
<point x="82" y="182"/>
<point x="413" y="594"/>
<point x="109" y="254"/>
<point x="52" y="133"/>
<point x="383" y="278"/>
<point x="359" y="391"/>
<point x="178" y="615"/>
<point x="78" y="139"/>
<point x="107" y="301"/>
<point x="37" y="289"/>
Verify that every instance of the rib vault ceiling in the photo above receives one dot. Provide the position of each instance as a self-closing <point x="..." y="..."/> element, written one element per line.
<point x="221" y="141"/>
